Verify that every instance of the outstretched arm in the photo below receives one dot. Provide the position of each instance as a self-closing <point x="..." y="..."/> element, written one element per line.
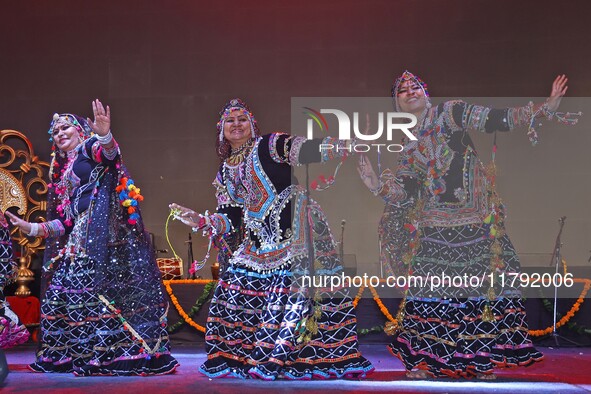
<point x="297" y="150"/>
<point x="185" y="215"/>
<point x="226" y="219"/>
<point x="485" y="119"/>
<point x="24" y="226"/>
<point x="53" y="228"/>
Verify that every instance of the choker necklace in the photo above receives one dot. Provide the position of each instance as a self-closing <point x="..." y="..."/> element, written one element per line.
<point x="237" y="155"/>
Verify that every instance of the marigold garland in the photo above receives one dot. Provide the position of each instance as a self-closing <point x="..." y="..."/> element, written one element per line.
<point x="201" y="300"/>
<point x="383" y="307"/>
<point x="175" y="301"/>
<point x="392" y="322"/>
<point x="358" y="296"/>
<point x="569" y="315"/>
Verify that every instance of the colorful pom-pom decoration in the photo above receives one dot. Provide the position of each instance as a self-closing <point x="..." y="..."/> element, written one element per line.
<point x="129" y="196"/>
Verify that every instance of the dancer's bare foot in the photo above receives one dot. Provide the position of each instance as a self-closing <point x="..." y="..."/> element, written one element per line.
<point x="486" y="376"/>
<point x="418" y="374"/>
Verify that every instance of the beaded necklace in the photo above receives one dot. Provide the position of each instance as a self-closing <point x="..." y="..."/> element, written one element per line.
<point x="237" y="155"/>
<point x="63" y="188"/>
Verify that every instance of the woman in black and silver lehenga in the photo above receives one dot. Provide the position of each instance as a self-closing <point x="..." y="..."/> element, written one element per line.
<point x="261" y="322"/>
<point x="103" y="310"/>
<point x="444" y="217"/>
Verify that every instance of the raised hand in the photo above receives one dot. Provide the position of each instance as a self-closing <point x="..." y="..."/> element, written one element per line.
<point x="367" y="173"/>
<point x="559" y="89"/>
<point x="102" y="118"/>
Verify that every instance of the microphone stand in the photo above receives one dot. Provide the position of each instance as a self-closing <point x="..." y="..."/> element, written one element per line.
<point x="311" y="254"/>
<point x="556" y="260"/>
<point x="190" y="258"/>
<point x="342" y="243"/>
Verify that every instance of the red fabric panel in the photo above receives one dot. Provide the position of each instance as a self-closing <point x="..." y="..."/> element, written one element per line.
<point x="28" y="309"/>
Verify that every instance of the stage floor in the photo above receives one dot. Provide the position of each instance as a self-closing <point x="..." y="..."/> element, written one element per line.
<point x="565" y="370"/>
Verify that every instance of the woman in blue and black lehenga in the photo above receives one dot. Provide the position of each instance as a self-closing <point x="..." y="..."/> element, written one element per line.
<point x="262" y="323"/>
<point x="444" y="217"/>
<point x="103" y="310"/>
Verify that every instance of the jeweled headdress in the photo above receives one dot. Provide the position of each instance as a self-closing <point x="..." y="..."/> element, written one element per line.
<point x="74" y="120"/>
<point x="236" y="105"/>
<point x="407" y="76"/>
<point x="84" y="132"/>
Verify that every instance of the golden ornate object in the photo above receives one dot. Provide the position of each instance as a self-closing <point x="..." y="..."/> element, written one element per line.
<point x="12" y="193"/>
<point x="391" y="327"/>
<point x="24" y="276"/>
<point x="23" y="185"/>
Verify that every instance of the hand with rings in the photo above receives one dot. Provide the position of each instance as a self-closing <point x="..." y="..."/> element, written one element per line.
<point x="185" y="215"/>
<point x="102" y="119"/>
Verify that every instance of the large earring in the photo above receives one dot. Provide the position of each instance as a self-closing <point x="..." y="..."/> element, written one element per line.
<point x="221" y="136"/>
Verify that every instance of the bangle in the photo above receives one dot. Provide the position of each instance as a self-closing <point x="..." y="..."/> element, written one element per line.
<point x="377" y="190"/>
<point x="105" y="139"/>
<point x="546" y="111"/>
<point x="204" y="223"/>
<point x="34" y="231"/>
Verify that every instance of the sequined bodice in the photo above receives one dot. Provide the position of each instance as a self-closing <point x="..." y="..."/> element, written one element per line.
<point x="451" y="177"/>
<point x="249" y="185"/>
